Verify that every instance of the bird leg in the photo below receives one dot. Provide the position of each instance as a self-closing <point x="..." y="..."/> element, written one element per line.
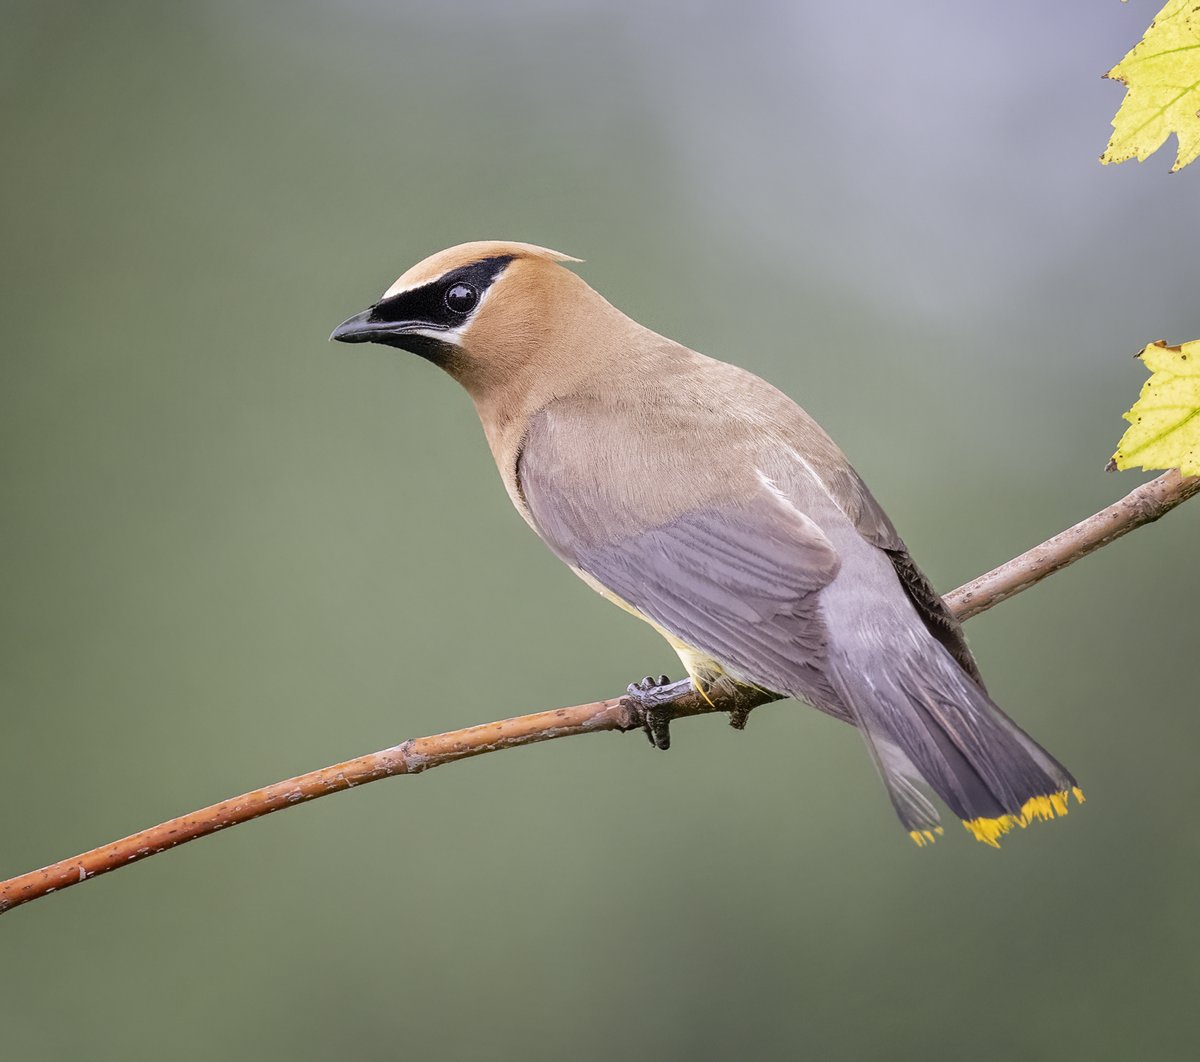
<point x="652" y="704"/>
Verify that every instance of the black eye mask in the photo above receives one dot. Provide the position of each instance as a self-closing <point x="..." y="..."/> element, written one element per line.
<point x="443" y="304"/>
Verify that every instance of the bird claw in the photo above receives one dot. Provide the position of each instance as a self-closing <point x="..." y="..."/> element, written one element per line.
<point x="652" y="704"/>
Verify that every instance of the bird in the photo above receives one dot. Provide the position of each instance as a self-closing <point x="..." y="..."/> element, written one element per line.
<point x="698" y="497"/>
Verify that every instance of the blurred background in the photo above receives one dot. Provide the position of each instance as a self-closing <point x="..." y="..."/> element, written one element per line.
<point x="232" y="552"/>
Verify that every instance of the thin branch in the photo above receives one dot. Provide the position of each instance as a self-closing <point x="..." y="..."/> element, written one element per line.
<point x="1142" y="506"/>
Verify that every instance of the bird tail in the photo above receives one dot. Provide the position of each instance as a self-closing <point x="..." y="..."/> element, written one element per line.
<point x="929" y="725"/>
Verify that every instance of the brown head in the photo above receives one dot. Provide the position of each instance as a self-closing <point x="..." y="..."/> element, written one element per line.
<point x="495" y="315"/>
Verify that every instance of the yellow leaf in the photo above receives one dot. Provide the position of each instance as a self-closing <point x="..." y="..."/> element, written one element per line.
<point x="1162" y="79"/>
<point x="1164" y="423"/>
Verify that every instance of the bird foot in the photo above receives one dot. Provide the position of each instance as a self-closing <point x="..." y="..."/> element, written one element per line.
<point x="652" y="705"/>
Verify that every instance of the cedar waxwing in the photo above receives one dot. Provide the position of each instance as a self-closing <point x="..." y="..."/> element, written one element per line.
<point x="702" y="500"/>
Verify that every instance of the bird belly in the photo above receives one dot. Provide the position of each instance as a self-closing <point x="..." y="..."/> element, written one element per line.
<point x="702" y="669"/>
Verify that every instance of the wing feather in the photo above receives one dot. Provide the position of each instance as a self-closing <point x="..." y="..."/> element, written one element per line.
<point x="875" y="526"/>
<point x="737" y="581"/>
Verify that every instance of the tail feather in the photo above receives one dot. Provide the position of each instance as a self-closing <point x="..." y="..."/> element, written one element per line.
<point x="927" y="722"/>
<point x="909" y="793"/>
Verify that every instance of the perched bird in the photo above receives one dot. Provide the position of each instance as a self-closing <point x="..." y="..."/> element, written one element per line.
<point x="701" y="499"/>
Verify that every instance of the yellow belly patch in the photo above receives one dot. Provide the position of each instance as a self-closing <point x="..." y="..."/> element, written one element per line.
<point x="702" y="669"/>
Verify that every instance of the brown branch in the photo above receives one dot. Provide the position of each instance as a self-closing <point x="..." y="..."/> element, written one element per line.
<point x="1141" y="506"/>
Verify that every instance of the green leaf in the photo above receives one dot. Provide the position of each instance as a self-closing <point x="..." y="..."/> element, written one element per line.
<point x="1162" y="76"/>
<point x="1164" y="423"/>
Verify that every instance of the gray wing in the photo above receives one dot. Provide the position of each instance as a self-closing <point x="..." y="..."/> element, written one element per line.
<point x="737" y="581"/>
<point x="873" y="524"/>
<point x="736" y="576"/>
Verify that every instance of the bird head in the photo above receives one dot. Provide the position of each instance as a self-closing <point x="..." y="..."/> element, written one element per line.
<point x="485" y="312"/>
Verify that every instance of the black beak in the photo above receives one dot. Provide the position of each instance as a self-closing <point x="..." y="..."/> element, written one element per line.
<point x="366" y="327"/>
<point x="360" y="328"/>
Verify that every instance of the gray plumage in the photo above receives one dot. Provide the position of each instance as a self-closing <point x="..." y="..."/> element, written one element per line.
<point x="786" y="588"/>
<point x="710" y="504"/>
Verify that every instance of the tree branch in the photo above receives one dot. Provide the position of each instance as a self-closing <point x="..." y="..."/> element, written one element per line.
<point x="1142" y="506"/>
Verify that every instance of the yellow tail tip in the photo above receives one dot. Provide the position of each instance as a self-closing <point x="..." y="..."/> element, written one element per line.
<point x="1045" y="808"/>
<point x="924" y="837"/>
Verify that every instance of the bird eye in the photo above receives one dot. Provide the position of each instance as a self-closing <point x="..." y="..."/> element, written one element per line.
<point x="461" y="298"/>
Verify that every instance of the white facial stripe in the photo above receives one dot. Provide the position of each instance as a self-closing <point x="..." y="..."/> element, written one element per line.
<point x="397" y="288"/>
<point x="442" y="335"/>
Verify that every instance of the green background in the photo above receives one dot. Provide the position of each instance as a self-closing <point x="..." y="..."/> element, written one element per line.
<point x="232" y="552"/>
